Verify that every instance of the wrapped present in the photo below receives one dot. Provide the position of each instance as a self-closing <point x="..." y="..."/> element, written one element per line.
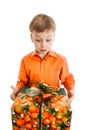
<point x="41" y="108"/>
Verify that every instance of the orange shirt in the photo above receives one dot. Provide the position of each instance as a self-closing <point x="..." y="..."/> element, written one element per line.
<point x="52" y="70"/>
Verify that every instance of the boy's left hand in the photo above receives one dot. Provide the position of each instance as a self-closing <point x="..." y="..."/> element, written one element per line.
<point x="71" y="95"/>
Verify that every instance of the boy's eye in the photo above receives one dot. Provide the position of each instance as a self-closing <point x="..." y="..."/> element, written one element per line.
<point x="37" y="40"/>
<point x="48" y="40"/>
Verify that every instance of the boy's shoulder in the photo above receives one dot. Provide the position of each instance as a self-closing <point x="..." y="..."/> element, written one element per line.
<point x="27" y="56"/>
<point x="58" y="55"/>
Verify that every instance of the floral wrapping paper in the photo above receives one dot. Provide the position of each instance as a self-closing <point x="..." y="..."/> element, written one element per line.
<point x="41" y="110"/>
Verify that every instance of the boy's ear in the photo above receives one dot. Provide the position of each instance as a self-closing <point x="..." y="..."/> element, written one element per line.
<point x="31" y="37"/>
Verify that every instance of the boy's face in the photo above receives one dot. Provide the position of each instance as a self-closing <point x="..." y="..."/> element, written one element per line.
<point x="43" y="41"/>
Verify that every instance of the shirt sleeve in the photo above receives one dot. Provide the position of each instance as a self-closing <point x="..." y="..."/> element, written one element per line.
<point x="23" y="78"/>
<point x="66" y="77"/>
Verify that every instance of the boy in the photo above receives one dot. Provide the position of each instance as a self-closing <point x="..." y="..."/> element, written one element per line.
<point x="43" y="64"/>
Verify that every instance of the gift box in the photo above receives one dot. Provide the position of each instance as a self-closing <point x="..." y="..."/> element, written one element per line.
<point x="41" y="108"/>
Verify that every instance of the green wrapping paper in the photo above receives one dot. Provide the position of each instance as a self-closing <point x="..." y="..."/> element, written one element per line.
<point x="41" y="108"/>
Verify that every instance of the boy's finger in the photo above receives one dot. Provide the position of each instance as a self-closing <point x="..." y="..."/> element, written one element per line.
<point x="12" y="96"/>
<point x="13" y="87"/>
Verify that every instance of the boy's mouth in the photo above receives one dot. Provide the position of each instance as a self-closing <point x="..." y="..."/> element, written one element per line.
<point x="43" y="50"/>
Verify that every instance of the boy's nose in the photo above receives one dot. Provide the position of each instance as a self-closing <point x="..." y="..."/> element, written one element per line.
<point x="43" y="44"/>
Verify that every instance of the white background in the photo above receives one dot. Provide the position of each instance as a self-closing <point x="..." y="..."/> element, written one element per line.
<point x="71" y="40"/>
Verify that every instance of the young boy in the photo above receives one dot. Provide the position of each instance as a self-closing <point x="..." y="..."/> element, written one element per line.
<point x="43" y="64"/>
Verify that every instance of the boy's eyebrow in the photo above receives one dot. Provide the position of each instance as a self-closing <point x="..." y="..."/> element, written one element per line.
<point x="35" y="35"/>
<point x="40" y="37"/>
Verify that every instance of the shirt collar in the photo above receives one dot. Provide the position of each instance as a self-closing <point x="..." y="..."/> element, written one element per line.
<point x="50" y="53"/>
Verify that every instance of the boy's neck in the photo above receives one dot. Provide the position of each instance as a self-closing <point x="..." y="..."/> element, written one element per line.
<point x="42" y="56"/>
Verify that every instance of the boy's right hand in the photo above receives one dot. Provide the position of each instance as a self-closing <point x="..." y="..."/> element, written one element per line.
<point x="14" y="93"/>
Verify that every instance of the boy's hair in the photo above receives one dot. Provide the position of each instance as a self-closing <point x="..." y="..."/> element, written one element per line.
<point x="42" y="22"/>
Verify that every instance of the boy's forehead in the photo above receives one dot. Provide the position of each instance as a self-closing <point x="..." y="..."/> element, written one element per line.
<point x="44" y="34"/>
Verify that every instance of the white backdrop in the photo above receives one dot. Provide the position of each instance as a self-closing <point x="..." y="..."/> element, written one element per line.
<point x="71" y="39"/>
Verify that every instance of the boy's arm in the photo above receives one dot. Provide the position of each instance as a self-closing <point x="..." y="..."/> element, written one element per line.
<point x="69" y="85"/>
<point x="67" y="79"/>
<point x="23" y="79"/>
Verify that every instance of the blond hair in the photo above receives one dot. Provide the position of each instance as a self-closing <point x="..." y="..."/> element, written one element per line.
<point x="42" y="22"/>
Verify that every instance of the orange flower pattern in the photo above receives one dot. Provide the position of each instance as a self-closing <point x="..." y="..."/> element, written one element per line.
<point x="48" y="112"/>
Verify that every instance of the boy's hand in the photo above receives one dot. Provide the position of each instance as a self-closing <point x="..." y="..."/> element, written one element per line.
<point x="14" y="93"/>
<point x="71" y="95"/>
